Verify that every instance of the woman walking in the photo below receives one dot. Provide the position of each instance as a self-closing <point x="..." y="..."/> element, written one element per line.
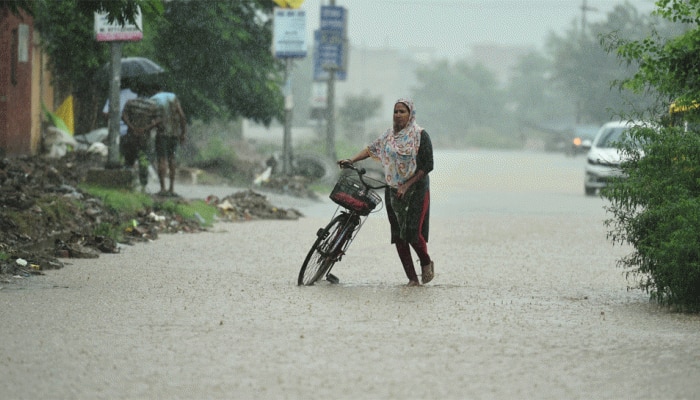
<point x="406" y="154"/>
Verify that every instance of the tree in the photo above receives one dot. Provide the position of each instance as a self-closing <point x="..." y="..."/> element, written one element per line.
<point x="218" y="58"/>
<point x="656" y="208"/>
<point x="533" y="95"/>
<point x="15" y="6"/>
<point x="586" y="70"/>
<point x="459" y="100"/>
<point x="357" y="110"/>
<point x="666" y="58"/>
<point x="75" y="57"/>
<point x="216" y="54"/>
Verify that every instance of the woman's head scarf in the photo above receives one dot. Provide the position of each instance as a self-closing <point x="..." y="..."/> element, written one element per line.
<point x="397" y="151"/>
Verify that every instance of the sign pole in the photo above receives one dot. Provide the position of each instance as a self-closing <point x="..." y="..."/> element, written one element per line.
<point x="289" y="41"/>
<point x="330" y="111"/>
<point x="116" y="33"/>
<point x="330" y="115"/>
<point x="331" y="59"/>
<point x="114" y="103"/>
<point x="288" y="108"/>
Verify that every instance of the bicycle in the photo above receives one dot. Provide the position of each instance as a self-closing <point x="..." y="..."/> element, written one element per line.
<point x="356" y="198"/>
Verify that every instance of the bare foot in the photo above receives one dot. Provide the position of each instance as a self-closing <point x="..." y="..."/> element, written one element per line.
<point x="413" y="283"/>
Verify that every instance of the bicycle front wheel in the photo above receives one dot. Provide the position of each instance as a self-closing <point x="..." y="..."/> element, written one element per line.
<point x="324" y="252"/>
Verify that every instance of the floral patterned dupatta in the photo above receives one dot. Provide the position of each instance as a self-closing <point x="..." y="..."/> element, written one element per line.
<point x="397" y="151"/>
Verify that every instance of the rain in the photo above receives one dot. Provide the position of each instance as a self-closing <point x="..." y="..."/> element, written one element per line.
<point x="528" y="298"/>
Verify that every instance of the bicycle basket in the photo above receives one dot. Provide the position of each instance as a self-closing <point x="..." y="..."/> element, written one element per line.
<point x="350" y="193"/>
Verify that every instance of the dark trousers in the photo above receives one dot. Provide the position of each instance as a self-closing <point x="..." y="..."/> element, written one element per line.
<point x="135" y="149"/>
<point x="420" y="246"/>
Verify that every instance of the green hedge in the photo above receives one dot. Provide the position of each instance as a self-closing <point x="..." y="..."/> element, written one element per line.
<point x="656" y="209"/>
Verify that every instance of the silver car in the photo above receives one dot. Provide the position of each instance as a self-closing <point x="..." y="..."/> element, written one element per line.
<point x="603" y="160"/>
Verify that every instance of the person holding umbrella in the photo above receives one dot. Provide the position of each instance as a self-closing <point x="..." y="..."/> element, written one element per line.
<point x="131" y="68"/>
<point x="171" y="131"/>
<point x="141" y="116"/>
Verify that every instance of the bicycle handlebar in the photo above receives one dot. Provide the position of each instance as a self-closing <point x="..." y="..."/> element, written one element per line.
<point x="360" y="173"/>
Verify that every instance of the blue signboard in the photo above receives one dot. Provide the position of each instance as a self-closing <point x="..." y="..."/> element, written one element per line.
<point x="330" y="43"/>
<point x="333" y="18"/>
<point x="325" y="56"/>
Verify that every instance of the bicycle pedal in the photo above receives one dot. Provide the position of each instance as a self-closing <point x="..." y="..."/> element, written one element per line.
<point x="332" y="278"/>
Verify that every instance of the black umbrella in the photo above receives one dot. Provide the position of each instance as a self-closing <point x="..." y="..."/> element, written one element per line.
<point x="139" y="66"/>
<point x="133" y="67"/>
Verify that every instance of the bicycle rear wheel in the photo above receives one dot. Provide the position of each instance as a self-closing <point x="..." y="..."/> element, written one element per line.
<point x="324" y="252"/>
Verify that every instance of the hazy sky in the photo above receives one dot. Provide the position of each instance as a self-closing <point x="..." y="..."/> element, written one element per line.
<point x="451" y="27"/>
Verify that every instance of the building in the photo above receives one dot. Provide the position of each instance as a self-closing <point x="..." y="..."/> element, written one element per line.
<point x="24" y="85"/>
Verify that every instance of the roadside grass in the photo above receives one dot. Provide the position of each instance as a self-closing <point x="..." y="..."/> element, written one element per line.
<point x="129" y="203"/>
<point x="120" y="200"/>
<point x="198" y="210"/>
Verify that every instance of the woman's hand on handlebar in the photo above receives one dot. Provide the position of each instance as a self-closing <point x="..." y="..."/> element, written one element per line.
<point x="346" y="163"/>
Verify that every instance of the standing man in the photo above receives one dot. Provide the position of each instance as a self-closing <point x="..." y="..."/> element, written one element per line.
<point x="140" y="116"/>
<point x="171" y="131"/>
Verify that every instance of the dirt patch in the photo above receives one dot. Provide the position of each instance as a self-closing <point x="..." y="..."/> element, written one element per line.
<point x="45" y="216"/>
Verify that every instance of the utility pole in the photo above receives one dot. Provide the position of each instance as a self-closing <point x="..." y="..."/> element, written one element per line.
<point x="584" y="9"/>
<point x="330" y="110"/>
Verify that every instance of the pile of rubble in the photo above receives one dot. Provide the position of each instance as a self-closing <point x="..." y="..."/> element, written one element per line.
<point x="249" y="205"/>
<point x="41" y="222"/>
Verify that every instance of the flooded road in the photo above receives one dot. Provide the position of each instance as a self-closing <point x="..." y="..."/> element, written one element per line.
<point x="527" y="302"/>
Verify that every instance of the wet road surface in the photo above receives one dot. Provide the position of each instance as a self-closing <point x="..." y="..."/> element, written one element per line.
<point x="527" y="302"/>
